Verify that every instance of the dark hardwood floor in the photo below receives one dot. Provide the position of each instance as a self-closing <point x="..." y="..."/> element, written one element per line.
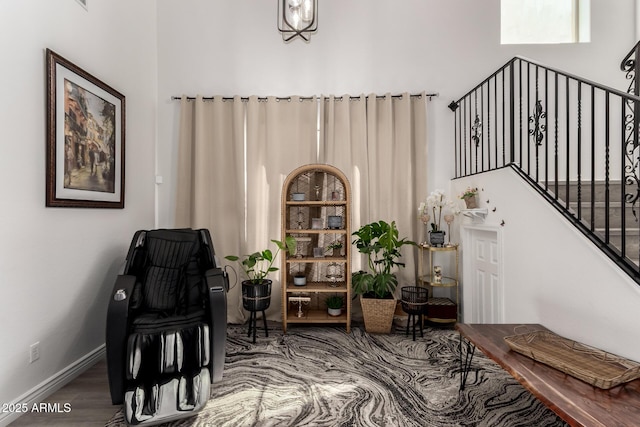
<point x="88" y="400"/>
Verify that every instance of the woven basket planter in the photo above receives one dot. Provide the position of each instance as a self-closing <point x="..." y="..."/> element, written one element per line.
<point x="471" y="202"/>
<point x="378" y="314"/>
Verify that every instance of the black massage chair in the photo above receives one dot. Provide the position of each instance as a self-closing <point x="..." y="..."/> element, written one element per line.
<point x="166" y="326"/>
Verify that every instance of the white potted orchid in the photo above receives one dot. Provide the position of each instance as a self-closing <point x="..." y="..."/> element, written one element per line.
<point x="435" y="203"/>
<point x="423" y="214"/>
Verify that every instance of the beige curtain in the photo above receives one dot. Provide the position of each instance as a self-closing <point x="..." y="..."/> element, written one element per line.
<point x="234" y="156"/>
<point x="210" y="192"/>
<point x="281" y="135"/>
<point x="380" y="144"/>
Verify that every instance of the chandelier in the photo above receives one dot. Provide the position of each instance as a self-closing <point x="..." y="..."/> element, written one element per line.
<point x="297" y="18"/>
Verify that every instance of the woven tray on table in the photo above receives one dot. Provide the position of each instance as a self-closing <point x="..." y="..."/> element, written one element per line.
<point x="591" y="365"/>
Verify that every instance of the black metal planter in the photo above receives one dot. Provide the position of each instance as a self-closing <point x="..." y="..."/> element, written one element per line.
<point x="414" y="303"/>
<point x="256" y="297"/>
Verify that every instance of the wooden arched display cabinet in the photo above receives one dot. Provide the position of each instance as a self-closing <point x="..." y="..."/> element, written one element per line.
<point x="316" y="210"/>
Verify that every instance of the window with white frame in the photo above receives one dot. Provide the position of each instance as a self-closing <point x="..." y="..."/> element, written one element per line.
<point x="544" y="21"/>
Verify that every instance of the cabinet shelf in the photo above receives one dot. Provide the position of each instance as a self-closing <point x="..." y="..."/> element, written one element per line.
<point x="319" y="203"/>
<point x="430" y="248"/>
<point x="315" y="316"/>
<point x="316" y="231"/>
<point x="317" y="287"/>
<point x="317" y="259"/>
<point x="327" y="202"/>
<point x="445" y="282"/>
<point x="439" y="309"/>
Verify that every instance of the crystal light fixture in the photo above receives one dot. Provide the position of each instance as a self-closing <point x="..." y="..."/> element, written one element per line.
<point x="297" y="18"/>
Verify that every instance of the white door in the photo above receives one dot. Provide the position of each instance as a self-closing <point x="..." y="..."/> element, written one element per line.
<point x="483" y="285"/>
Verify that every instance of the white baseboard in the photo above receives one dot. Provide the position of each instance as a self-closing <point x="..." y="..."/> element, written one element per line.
<point x="54" y="383"/>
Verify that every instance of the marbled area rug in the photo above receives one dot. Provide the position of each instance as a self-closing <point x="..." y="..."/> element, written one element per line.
<point x="322" y="376"/>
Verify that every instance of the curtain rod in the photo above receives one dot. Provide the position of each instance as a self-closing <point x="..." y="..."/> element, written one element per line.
<point x="303" y="98"/>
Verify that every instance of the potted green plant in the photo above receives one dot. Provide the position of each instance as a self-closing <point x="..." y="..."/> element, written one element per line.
<point x="256" y="290"/>
<point x="334" y="247"/>
<point x="380" y="243"/>
<point x="258" y="265"/>
<point x="334" y="305"/>
<point x="469" y="197"/>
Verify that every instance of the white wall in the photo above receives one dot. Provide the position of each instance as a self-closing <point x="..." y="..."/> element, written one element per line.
<point x="57" y="265"/>
<point x="362" y="46"/>
<point x="552" y="274"/>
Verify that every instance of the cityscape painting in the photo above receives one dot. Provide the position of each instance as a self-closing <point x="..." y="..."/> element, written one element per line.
<point x="85" y="138"/>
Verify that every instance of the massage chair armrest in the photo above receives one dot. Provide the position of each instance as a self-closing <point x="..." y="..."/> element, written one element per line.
<point x="217" y="286"/>
<point x="116" y="334"/>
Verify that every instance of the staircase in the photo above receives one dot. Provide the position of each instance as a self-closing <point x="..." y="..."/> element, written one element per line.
<point x="574" y="140"/>
<point x="597" y="212"/>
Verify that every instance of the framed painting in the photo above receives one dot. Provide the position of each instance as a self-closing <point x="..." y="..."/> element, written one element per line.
<point x="85" y="138"/>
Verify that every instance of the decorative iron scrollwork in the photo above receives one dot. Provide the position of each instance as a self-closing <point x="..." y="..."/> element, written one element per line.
<point x="629" y="67"/>
<point x="631" y="143"/>
<point x="632" y="159"/>
<point x="476" y="128"/>
<point x="538" y="128"/>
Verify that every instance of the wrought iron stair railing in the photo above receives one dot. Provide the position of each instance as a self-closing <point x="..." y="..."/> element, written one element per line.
<point x="573" y="140"/>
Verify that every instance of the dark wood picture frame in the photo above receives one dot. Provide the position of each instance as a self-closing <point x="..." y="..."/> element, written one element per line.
<point x="85" y="138"/>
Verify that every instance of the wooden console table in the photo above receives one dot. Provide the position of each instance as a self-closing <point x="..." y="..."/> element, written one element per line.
<point x="575" y="401"/>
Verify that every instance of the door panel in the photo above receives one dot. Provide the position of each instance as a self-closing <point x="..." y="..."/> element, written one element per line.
<point x="485" y="288"/>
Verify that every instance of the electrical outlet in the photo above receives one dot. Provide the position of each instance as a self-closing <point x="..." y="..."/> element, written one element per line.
<point x="34" y="352"/>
